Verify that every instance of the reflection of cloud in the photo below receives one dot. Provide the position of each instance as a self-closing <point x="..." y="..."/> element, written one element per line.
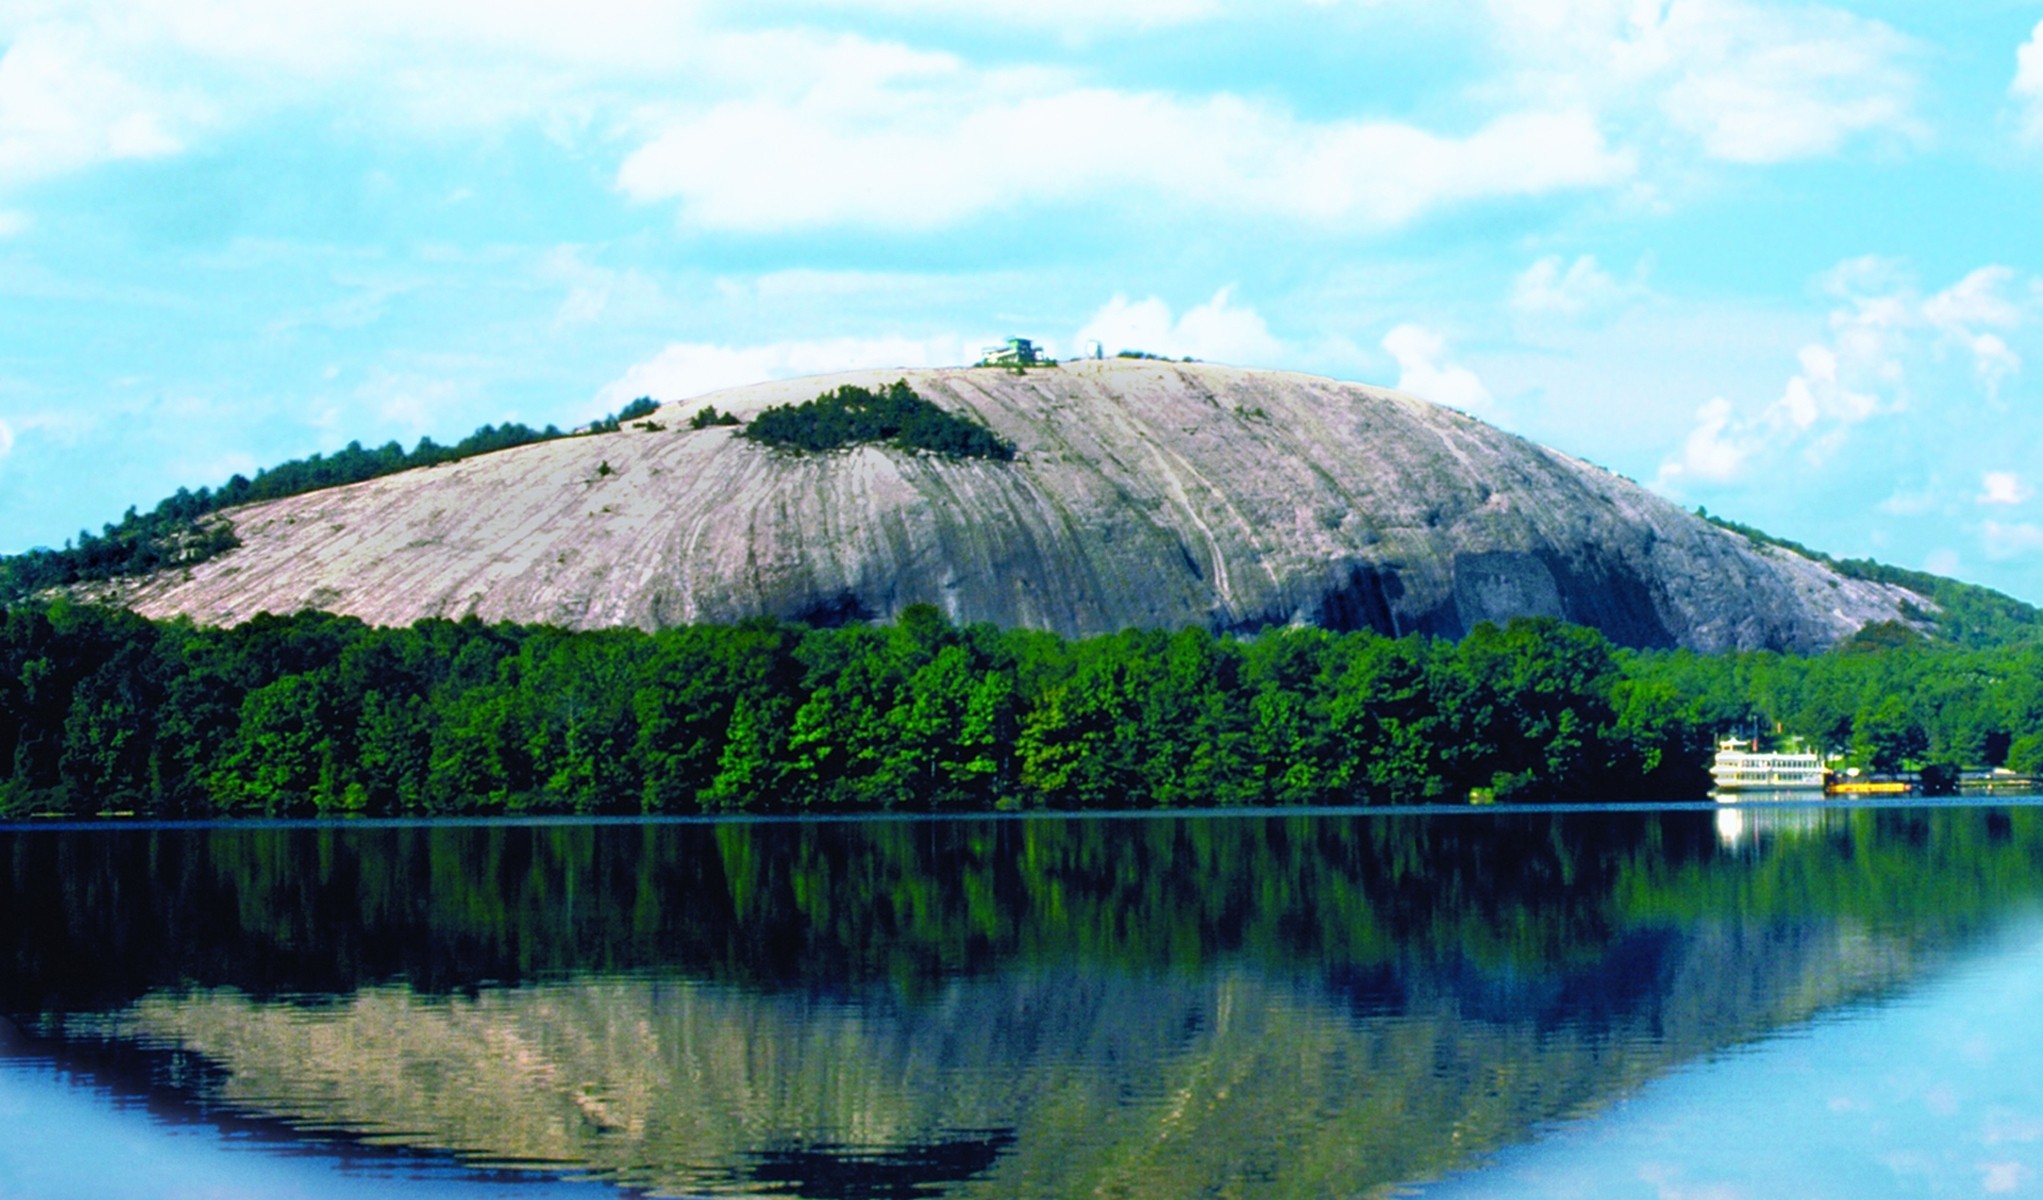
<point x="1425" y="371"/>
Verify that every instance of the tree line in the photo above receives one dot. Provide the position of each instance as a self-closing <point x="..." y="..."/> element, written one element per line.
<point x="176" y="532"/>
<point x="1964" y="613"/>
<point x="318" y="714"/>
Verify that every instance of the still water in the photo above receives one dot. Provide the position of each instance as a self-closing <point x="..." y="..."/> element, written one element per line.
<point x="1808" y="1001"/>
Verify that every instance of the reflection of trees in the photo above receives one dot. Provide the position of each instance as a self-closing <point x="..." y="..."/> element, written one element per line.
<point x="1312" y="1005"/>
<point x="789" y="904"/>
<point x="105" y="916"/>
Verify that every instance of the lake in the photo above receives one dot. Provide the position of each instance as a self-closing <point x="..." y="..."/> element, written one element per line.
<point x="1684" y="1001"/>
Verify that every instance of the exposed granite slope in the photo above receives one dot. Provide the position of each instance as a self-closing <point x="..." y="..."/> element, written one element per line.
<point x="1144" y="494"/>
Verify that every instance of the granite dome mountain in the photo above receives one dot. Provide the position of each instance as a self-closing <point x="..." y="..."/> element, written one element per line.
<point x="1140" y="493"/>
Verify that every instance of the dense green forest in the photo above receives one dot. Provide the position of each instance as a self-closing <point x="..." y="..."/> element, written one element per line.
<point x="101" y="710"/>
<point x="1966" y="614"/>
<point x="176" y="533"/>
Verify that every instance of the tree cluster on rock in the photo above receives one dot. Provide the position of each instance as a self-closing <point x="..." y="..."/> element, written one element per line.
<point x="644" y="406"/>
<point x="895" y="416"/>
<point x="707" y="416"/>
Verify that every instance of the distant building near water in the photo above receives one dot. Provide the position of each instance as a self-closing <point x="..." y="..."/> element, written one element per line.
<point x="1018" y="352"/>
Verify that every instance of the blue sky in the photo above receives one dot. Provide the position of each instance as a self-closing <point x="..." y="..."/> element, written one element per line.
<point x="1782" y="260"/>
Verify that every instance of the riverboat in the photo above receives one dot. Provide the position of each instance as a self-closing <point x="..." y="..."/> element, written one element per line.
<point x="1739" y="768"/>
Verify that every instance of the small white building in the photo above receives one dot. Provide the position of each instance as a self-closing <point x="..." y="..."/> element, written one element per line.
<point x="1017" y="352"/>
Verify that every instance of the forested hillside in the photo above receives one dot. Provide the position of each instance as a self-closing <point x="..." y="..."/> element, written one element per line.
<point x="1964" y="613"/>
<point x="101" y="710"/>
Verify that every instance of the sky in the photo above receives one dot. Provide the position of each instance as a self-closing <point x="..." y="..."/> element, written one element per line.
<point x="1781" y="260"/>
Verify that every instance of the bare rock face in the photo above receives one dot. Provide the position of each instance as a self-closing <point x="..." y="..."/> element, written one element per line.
<point x="1142" y="494"/>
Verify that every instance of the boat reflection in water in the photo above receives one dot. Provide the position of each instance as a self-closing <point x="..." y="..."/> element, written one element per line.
<point x="1790" y="815"/>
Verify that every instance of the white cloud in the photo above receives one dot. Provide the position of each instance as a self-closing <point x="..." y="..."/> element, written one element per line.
<point x="91" y="80"/>
<point x="1966" y="311"/>
<point x="1425" y="371"/>
<point x="1749" y="83"/>
<point x="1883" y="335"/>
<point x="1548" y="287"/>
<point x="6" y="439"/>
<point x="755" y="117"/>
<point x="933" y="145"/>
<point x="330" y="40"/>
<point x="1711" y="453"/>
<point x="2002" y="487"/>
<point x="1070" y="16"/>
<point x="12" y="223"/>
<point x="2003" y="541"/>
<point x="2002" y="1178"/>
<point x="2027" y="88"/>
<point x="687" y="369"/>
<point x="1216" y="331"/>
<point x="1764" y="86"/>
<point x="1977" y="299"/>
<point x="758" y="127"/>
<point x="595" y="292"/>
<point x="62" y="107"/>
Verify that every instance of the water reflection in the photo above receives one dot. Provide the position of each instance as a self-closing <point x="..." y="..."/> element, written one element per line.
<point x="1293" y="1006"/>
<point x="85" y="1125"/>
<point x="1741" y="825"/>
<point x="1933" y="1094"/>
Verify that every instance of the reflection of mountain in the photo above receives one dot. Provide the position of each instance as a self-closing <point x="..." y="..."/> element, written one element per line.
<point x="1286" y="1006"/>
<point x="1059" y="1084"/>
